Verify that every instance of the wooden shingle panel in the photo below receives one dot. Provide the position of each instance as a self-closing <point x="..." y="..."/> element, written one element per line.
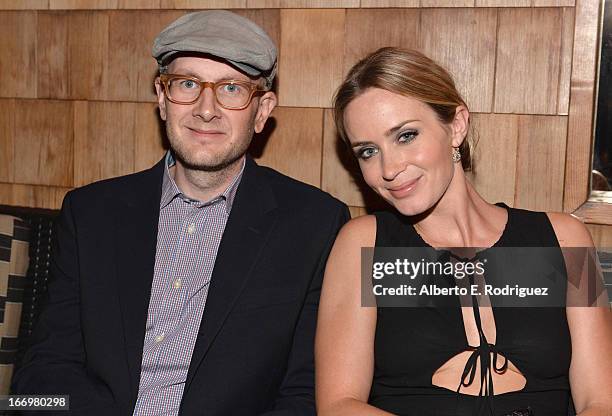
<point x="581" y="109"/>
<point x="53" y="50"/>
<point x="103" y="4"/>
<point x="18" y="54"/>
<point x="357" y="211"/>
<point x="567" y="43"/>
<point x="528" y="61"/>
<point x="291" y="143"/>
<point x="602" y="235"/>
<point x="447" y="3"/>
<point x="370" y="29"/>
<point x="554" y="3"/>
<point x="341" y="176"/>
<point x="390" y="3"/>
<point x="82" y="4"/>
<point x="131" y="67"/>
<point x="24" y="4"/>
<point x="7" y="140"/>
<point x="495" y="156"/>
<point x="268" y="20"/>
<point x="301" y="4"/>
<point x="35" y="196"/>
<point x="463" y="41"/>
<point x="104" y="135"/>
<point x="44" y="142"/>
<point x="203" y="4"/>
<point x="540" y="165"/>
<point x="89" y="53"/>
<point x="503" y="3"/>
<point x="311" y="56"/>
<point x="149" y="145"/>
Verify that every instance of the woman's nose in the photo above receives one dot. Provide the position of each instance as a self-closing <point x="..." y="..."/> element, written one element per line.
<point x="392" y="165"/>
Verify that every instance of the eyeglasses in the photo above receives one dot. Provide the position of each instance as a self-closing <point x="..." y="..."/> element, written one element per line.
<point x="230" y="94"/>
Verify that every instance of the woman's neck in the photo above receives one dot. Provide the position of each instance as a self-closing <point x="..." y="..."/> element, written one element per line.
<point x="461" y="218"/>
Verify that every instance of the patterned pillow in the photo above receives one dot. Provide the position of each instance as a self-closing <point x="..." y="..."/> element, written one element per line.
<point x="14" y="260"/>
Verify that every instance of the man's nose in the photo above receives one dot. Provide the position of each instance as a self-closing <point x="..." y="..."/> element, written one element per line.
<point x="206" y="107"/>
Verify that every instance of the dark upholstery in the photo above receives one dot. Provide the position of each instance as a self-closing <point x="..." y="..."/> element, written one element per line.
<point x="39" y="225"/>
<point x="14" y="237"/>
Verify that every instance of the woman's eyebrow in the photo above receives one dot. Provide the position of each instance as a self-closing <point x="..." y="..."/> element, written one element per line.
<point x="361" y="143"/>
<point x="387" y="133"/>
<point x="398" y="126"/>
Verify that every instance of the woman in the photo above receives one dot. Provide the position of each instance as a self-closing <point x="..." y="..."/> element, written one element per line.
<point x="406" y="123"/>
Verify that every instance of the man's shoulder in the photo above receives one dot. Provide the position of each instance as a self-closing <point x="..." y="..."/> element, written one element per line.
<point x="293" y="193"/>
<point x="117" y="187"/>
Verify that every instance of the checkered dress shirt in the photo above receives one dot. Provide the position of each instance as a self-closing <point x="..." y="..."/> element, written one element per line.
<point x="188" y="238"/>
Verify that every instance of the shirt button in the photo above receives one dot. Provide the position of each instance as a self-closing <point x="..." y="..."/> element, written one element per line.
<point x="160" y="337"/>
<point x="177" y="284"/>
<point x="191" y="228"/>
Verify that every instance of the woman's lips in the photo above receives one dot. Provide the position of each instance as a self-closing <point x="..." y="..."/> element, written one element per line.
<point x="404" y="189"/>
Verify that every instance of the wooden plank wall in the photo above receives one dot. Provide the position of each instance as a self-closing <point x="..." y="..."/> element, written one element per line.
<point x="77" y="103"/>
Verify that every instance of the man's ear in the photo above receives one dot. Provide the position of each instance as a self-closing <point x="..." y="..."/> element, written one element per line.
<point x="266" y="104"/>
<point x="460" y="125"/>
<point x="161" y="98"/>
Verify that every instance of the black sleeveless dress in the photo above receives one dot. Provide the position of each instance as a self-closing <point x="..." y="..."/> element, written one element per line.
<point x="412" y="343"/>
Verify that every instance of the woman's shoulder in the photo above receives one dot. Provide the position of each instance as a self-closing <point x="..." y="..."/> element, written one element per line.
<point x="366" y="226"/>
<point x="344" y="261"/>
<point x="359" y="231"/>
<point x="570" y="231"/>
<point x="541" y="226"/>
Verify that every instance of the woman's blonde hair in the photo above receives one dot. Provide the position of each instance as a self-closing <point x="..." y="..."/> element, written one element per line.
<point x="405" y="72"/>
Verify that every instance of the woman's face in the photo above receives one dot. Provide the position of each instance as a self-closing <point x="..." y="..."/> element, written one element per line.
<point x="404" y="150"/>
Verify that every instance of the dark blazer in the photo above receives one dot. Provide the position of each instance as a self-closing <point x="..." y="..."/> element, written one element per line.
<point x="254" y="351"/>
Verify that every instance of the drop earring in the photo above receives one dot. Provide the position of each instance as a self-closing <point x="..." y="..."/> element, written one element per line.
<point x="456" y="155"/>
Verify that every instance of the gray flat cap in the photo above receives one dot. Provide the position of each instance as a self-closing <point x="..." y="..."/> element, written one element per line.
<point x="222" y="34"/>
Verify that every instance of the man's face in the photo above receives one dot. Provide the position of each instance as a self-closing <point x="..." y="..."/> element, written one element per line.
<point x="204" y="135"/>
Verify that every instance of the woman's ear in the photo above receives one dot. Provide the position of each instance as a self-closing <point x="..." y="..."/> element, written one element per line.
<point x="460" y="125"/>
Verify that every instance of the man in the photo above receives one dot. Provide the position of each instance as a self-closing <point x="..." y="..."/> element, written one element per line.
<point x="190" y="288"/>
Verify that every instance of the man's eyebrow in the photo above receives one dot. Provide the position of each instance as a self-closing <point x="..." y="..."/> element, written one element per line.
<point x="398" y="126"/>
<point x="190" y="73"/>
<point x="185" y="72"/>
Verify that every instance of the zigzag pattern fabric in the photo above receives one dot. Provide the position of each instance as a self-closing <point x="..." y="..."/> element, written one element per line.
<point x="14" y="260"/>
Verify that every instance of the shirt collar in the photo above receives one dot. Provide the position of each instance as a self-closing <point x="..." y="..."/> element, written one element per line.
<point x="170" y="190"/>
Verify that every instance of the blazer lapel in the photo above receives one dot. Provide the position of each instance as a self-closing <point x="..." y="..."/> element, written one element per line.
<point x="246" y="232"/>
<point x="136" y="240"/>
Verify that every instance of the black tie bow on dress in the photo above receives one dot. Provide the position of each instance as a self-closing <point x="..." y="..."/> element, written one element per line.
<point x="482" y="351"/>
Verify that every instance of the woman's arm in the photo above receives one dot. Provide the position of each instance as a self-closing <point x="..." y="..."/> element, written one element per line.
<point x="591" y="333"/>
<point x="344" y="345"/>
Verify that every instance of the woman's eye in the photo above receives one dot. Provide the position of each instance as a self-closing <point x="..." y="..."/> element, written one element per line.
<point x="366" y="153"/>
<point x="407" y="136"/>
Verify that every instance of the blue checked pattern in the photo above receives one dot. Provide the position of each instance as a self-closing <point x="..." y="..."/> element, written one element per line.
<point x="189" y="234"/>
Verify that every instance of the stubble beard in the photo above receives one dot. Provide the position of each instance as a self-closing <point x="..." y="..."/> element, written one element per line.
<point x="217" y="163"/>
